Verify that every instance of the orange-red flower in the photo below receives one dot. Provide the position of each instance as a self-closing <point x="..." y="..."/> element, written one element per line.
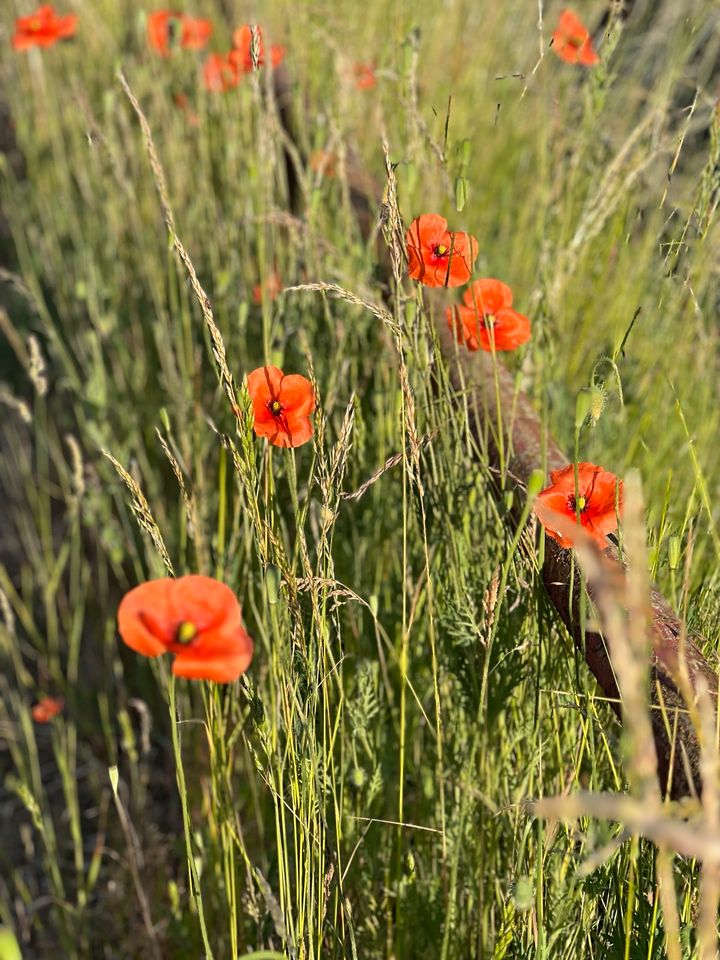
<point x="158" y="30"/>
<point x="47" y="708"/>
<point x="220" y="74"/>
<point x="364" y="73"/>
<point x="438" y="257"/>
<point x="241" y="54"/>
<point x="165" y="28"/>
<point x="195" y="33"/>
<point x="196" y="618"/>
<point x="486" y="322"/>
<point x="597" y="500"/>
<point x="323" y="162"/>
<point x="571" y="40"/>
<point x="281" y="406"/>
<point x="270" y="288"/>
<point x="182" y="102"/>
<point x="43" y="28"/>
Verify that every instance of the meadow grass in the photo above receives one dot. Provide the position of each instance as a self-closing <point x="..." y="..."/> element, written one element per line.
<point x="362" y="791"/>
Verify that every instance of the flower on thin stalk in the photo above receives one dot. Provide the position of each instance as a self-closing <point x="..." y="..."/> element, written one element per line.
<point x="182" y="102"/>
<point x="485" y="320"/>
<point x="219" y="74"/>
<point x="594" y="504"/>
<point x="281" y="406"/>
<point x="47" y="708"/>
<point x="323" y="162"/>
<point x="196" y="618"/>
<point x="364" y="74"/>
<point x="269" y="289"/>
<point x="43" y="28"/>
<point x="241" y="54"/>
<point x="572" y="42"/>
<point x="167" y="29"/>
<point x="195" y="33"/>
<point x="439" y="257"/>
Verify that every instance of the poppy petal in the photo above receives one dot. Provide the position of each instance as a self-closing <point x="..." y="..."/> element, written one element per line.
<point x="144" y="616"/>
<point x="203" y="601"/>
<point x="511" y="330"/>
<point x="297" y="393"/>
<point x="195" y="33"/>
<point x="488" y="295"/>
<point x="295" y="431"/>
<point x="265" y="381"/>
<point x="225" y="669"/>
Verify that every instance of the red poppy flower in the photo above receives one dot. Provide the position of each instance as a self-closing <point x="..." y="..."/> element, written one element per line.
<point x="165" y="27"/>
<point x="182" y="102"/>
<point x="323" y="162"/>
<point x="241" y="55"/>
<point x="47" y="708"/>
<point x="195" y="33"/>
<point x="572" y="41"/>
<point x="196" y="618"/>
<point x="270" y="288"/>
<point x="597" y="492"/>
<point x="219" y="74"/>
<point x="281" y="406"/>
<point x="365" y="78"/>
<point x="438" y="257"/>
<point x="486" y="322"/>
<point x="43" y="28"/>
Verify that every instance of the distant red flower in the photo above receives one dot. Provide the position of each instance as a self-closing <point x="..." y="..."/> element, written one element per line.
<point x="438" y="257"/>
<point x="597" y="491"/>
<point x="219" y="74"/>
<point x="281" y="406"/>
<point x="486" y="321"/>
<point x="47" y="708"/>
<point x="195" y="33"/>
<point x="43" y="28"/>
<point x="165" y="28"/>
<point x="269" y="288"/>
<point x="158" y="30"/>
<point x="196" y="618"/>
<point x="324" y="162"/>
<point x="241" y="54"/>
<point x="572" y="41"/>
<point x="182" y="102"/>
<point x="365" y="78"/>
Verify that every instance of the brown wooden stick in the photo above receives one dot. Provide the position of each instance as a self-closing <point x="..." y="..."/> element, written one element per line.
<point x="676" y="661"/>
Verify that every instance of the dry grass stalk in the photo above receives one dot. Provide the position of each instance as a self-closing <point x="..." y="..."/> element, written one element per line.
<point x="226" y="378"/>
<point x="141" y="509"/>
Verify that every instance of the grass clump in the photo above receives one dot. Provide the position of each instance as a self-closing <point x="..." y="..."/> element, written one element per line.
<point x="362" y="791"/>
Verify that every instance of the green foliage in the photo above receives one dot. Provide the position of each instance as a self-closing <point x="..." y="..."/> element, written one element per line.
<point x="362" y="791"/>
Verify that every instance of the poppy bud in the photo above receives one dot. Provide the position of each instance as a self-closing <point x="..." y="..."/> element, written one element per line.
<point x="460" y="193"/>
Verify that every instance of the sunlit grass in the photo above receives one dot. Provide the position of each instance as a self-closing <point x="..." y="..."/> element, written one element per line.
<point x="361" y="792"/>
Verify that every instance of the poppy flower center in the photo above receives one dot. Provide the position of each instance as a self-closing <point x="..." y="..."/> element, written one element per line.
<point x="580" y="504"/>
<point x="35" y="24"/>
<point x="275" y="408"/>
<point x="186" y="632"/>
<point x="576" y="41"/>
<point x="441" y="250"/>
